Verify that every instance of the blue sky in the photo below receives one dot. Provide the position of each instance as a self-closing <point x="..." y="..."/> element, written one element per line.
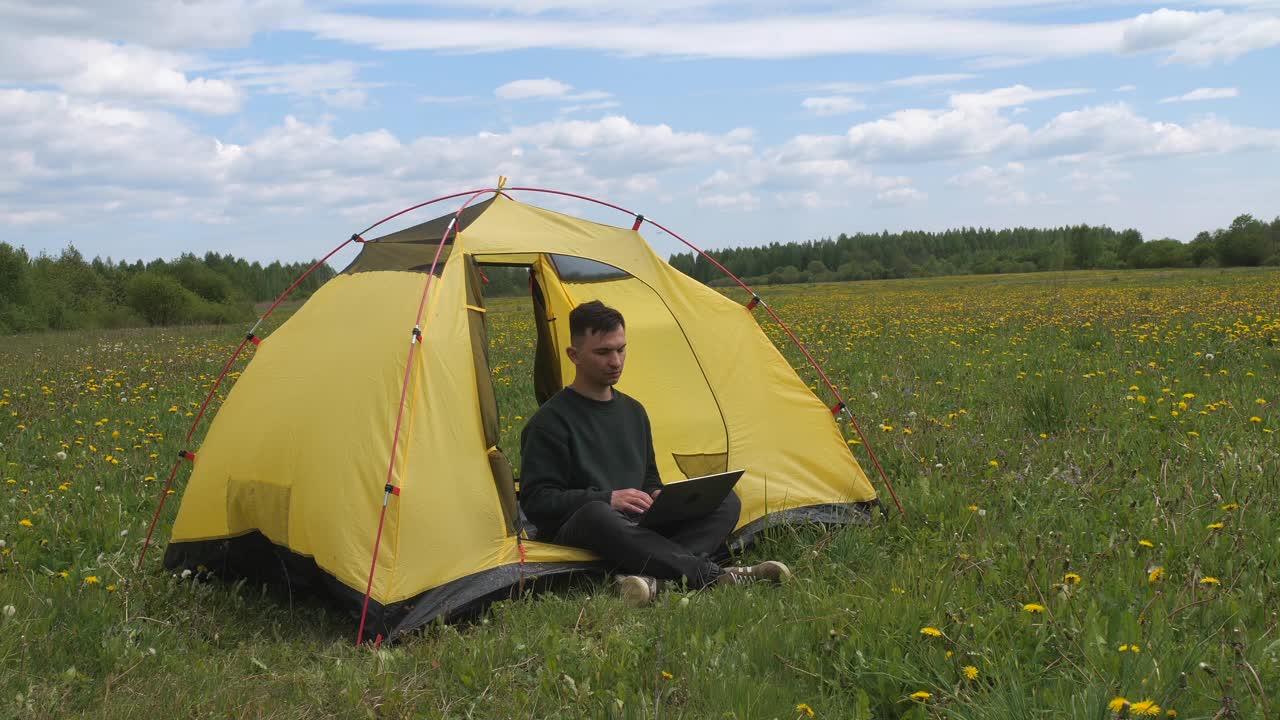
<point x="273" y="129"/>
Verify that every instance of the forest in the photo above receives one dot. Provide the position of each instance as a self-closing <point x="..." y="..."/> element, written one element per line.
<point x="68" y="292"/>
<point x="982" y="251"/>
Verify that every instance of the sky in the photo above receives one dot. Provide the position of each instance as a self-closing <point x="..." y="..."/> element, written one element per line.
<point x="274" y="129"/>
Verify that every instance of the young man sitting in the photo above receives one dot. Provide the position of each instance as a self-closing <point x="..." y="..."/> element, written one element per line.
<point x="589" y="471"/>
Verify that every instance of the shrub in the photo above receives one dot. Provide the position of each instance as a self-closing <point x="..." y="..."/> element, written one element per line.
<point x="159" y="299"/>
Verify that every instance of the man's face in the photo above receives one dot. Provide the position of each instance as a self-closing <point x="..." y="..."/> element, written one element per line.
<point x="599" y="357"/>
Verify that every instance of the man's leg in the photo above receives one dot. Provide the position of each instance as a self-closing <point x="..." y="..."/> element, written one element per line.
<point x="706" y="534"/>
<point x="633" y="549"/>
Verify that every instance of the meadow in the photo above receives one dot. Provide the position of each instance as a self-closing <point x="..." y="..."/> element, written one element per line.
<point x="1088" y="461"/>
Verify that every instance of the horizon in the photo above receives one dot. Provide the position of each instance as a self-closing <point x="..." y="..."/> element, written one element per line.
<point x="274" y="129"/>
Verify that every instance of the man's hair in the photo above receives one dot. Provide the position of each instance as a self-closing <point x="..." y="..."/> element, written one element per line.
<point x="593" y="317"/>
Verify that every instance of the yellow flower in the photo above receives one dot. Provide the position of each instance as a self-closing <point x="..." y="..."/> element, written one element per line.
<point x="1134" y="648"/>
<point x="973" y="508"/>
<point x="1213" y="526"/>
<point x="111" y="588"/>
<point x="91" y="580"/>
<point x="1231" y="506"/>
<point x="1117" y="704"/>
<point x="921" y="695"/>
<point x="25" y="522"/>
<point x="1146" y="707"/>
<point x="64" y="574"/>
<point x="993" y="463"/>
<point x="666" y="675"/>
<point x="1255" y="419"/>
<point x="1156" y="575"/>
<point x="1146" y="543"/>
<point x="931" y="631"/>
<point x="804" y="709"/>
<point x="1171" y="713"/>
<point x="1260" y="401"/>
<point x="971" y="672"/>
<point x="1033" y="608"/>
<point x="1208" y="580"/>
<point x="1071" y="579"/>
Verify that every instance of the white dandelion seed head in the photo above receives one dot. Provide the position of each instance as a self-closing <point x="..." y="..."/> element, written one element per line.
<point x="61" y="455"/>
<point x="186" y="573"/>
<point x="97" y="488"/>
<point x="9" y="610"/>
<point x="911" y="414"/>
<point x="124" y="533"/>
<point x="151" y="651"/>
<point x="982" y="512"/>
<point x="875" y="395"/>
<point x="1208" y="356"/>
<point x="2" y="544"/>
<point x="938" y="465"/>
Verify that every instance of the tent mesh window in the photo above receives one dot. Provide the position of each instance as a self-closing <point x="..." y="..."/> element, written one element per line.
<point x="576" y="269"/>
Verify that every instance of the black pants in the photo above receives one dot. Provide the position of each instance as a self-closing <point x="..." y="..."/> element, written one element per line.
<point x="679" y="552"/>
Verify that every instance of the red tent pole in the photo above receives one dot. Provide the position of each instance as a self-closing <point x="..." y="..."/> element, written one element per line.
<point x="390" y="488"/>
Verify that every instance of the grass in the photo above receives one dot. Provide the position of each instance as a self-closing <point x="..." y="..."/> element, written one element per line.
<point x="1088" y="462"/>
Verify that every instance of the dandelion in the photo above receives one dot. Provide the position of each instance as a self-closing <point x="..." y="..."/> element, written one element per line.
<point x="993" y="463"/>
<point x="1033" y="608"/>
<point x="1133" y="648"/>
<point x="921" y="695"/>
<point x="1230" y="506"/>
<point x="804" y="709"/>
<point x="1146" y="543"/>
<point x="1146" y="707"/>
<point x="1213" y="526"/>
<point x="666" y="675"/>
<point x="1208" y="580"/>
<point x="1156" y="575"/>
<point x="1071" y="579"/>
<point x="91" y="580"/>
<point x="971" y="672"/>
<point x="1255" y="419"/>
<point x="25" y="522"/>
<point x="1260" y="401"/>
<point x="931" y="631"/>
<point x="973" y="508"/>
<point x="64" y="574"/>
<point x="111" y="588"/>
<point x="1117" y="704"/>
<point x="61" y="455"/>
<point x="10" y="610"/>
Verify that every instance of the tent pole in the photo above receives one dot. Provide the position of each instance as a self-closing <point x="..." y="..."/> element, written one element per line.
<point x="415" y="341"/>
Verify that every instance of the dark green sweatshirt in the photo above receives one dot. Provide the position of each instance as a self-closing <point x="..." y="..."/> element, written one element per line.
<point x="575" y="450"/>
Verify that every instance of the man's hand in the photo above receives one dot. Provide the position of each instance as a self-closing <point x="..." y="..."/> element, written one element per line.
<point x="630" y="501"/>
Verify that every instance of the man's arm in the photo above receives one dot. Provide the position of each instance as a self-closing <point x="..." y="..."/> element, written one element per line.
<point x="652" y="480"/>
<point x="545" y="493"/>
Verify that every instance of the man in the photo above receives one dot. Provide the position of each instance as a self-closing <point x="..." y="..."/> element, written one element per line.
<point x="589" y="471"/>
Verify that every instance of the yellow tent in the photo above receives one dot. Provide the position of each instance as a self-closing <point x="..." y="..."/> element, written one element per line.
<point x="293" y="472"/>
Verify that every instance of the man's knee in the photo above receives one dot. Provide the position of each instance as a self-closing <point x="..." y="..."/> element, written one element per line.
<point x="595" y="513"/>
<point x="731" y="506"/>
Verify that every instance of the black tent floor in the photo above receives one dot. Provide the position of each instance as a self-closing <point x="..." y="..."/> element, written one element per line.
<point x="254" y="557"/>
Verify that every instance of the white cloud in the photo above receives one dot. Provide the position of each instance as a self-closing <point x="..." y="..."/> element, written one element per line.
<point x="102" y="69"/>
<point x="1009" y="97"/>
<point x="972" y="126"/>
<point x="1188" y="36"/>
<point x="900" y="196"/>
<point x="738" y="201"/>
<point x="588" y="107"/>
<point x="1126" y="88"/>
<point x="156" y="23"/>
<point x="919" y="80"/>
<point x="336" y="82"/>
<point x="832" y="105"/>
<point x="988" y="176"/>
<point x="532" y="88"/>
<point x="1114" y="130"/>
<point x="1204" y="94"/>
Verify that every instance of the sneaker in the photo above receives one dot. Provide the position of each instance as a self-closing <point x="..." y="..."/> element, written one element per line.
<point x="637" y="590"/>
<point x="767" y="571"/>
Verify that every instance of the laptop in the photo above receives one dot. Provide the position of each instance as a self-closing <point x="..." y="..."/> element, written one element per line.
<point x="689" y="499"/>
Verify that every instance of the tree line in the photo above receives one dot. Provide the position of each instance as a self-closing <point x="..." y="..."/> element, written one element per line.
<point x="68" y="292"/>
<point x="874" y="256"/>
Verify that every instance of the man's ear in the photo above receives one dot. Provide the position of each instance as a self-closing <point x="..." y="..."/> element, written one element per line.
<point x="572" y="352"/>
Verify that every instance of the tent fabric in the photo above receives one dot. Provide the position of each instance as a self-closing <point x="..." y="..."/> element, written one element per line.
<point x="300" y="450"/>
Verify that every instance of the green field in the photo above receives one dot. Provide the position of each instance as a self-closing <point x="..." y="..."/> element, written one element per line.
<point x="1088" y="461"/>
